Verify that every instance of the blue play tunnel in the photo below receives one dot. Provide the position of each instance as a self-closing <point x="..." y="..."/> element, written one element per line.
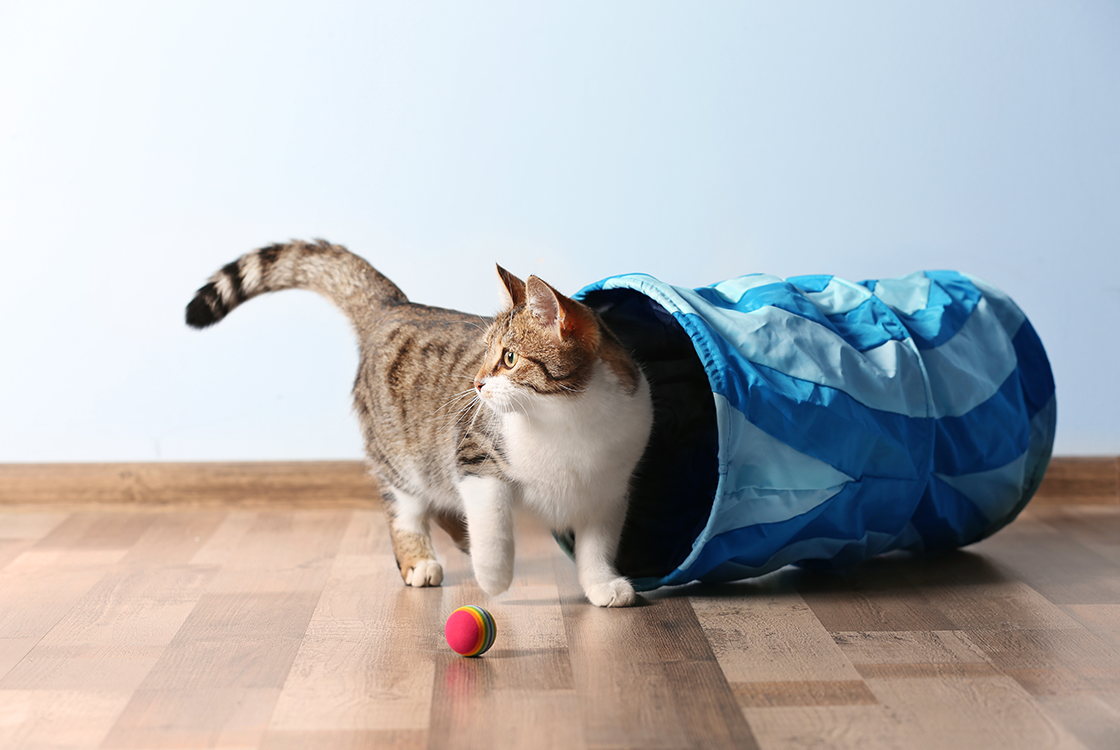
<point x="817" y="421"/>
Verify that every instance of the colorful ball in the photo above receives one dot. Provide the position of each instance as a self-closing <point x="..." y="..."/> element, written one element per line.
<point x="470" y="631"/>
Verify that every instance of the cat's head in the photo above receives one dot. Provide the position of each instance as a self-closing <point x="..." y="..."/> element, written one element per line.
<point x="545" y="345"/>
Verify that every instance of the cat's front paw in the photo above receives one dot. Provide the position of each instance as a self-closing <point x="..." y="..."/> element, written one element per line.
<point x="425" y="573"/>
<point x="615" y="593"/>
<point x="494" y="580"/>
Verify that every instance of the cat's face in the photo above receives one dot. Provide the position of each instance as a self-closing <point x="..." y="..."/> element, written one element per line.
<point x="542" y="346"/>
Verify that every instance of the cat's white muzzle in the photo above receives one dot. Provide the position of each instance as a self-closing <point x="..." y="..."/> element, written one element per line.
<point x="499" y="395"/>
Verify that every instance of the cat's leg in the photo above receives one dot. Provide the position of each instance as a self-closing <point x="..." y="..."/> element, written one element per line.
<point x="455" y="526"/>
<point x="412" y="541"/>
<point x="596" y="545"/>
<point x="488" y="503"/>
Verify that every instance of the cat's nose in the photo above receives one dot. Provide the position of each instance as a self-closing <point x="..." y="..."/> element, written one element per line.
<point x="478" y="385"/>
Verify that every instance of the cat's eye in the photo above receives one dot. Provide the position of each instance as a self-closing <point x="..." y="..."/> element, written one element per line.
<point x="509" y="359"/>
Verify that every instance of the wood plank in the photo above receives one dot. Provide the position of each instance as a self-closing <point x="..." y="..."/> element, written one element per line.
<point x="1053" y="661"/>
<point x="860" y="727"/>
<point x="993" y="599"/>
<point x="358" y="676"/>
<point x="10" y="549"/>
<point x="924" y="648"/>
<point x="217" y="682"/>
<point x="175" y="537"/>
<point x="366" y="659"/>
<point x="96" y="531"/>
<point x="804" y="693"/>
<point x="871" y="596"/>
<point x="283" y="551"/>
<point x="1054" y="564"/>
<point x="943" y="691"/>
<point x="213" y="717"/>
<point x="763" y="631"/>
<point x="235" y="640"/>
<point x="12" y="651"/>
<point x="969" y="712"/>
<point x="226" y="539"/>
<point x="646" y="676"/>
<point x="30" y="524"/>
<point x="334" y="739"/>
<point x="76" y="720"/>
<point x="1094" y="526"/>
<point x="1102" y="619"/>
<point x="39" y="588"/>
<point x="329" y="484"/>
<point x="473" y="713"/>
<point x="1094" y="721"/>
<point x="927" y="671"/>
<point x="115" y="634"/>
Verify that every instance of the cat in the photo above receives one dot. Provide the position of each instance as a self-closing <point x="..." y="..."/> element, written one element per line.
<point x="463" y="421"/>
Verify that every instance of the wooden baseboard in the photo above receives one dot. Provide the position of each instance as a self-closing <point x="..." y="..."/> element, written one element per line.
<point x="330" y="484"/>
<point x="1072" y="480"/>
<point x="345" y="484"/>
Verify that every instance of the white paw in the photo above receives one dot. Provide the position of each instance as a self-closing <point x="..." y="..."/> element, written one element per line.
<point x="494" y="580"/>
<point x="425" y="573"/>
<point x="616" y="593"/>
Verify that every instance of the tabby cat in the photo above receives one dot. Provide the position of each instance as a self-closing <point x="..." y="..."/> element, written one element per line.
<point x="544" y="409"/>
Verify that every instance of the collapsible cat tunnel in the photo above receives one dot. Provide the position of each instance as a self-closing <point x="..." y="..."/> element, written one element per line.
<point x="819" y="422"/>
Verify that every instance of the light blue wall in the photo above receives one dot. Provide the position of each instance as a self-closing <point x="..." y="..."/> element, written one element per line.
<point x="142" y="145"/>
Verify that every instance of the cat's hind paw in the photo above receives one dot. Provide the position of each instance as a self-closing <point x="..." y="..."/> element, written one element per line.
<point x="615" y="593"/>
<point x="424" y="573"/>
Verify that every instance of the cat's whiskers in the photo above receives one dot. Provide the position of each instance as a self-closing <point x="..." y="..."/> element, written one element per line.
<point x="454" y="420"/>
<point x="461" y="414"/>
<point x="457" y="397"/>
<point x="478" y="406"/>
<point x="475" y="404"/>
<point x="516" y="397"/>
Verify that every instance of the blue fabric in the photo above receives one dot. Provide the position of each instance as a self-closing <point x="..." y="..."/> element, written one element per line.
<point x="856" y="418"/>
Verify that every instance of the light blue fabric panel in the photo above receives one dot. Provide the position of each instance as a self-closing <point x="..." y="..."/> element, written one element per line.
<point x="989" y="490"/>
<point x="907" y="294"/>
<point x="997" y="491"/>
<point x="853" y="419"/>
<point x="774" y="484"/>
<point x="838" y="297"/>
<point x="960" y="379"/>
<point x="1001" y="305"/>
<point x="808" y="351"/>
<point x="732" y="290"/>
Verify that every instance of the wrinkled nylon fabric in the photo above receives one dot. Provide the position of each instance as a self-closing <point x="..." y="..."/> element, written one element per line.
<point x="850" y="419"/>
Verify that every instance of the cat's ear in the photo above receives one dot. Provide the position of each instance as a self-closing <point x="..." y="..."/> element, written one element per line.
<point x="564" y="317"/>
<point x="513" y="288"/>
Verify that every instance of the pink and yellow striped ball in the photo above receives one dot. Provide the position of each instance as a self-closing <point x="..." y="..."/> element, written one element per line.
<point x="470" y="631"/>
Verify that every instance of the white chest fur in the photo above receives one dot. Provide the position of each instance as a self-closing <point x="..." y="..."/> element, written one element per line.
<point x="571" y="454"/>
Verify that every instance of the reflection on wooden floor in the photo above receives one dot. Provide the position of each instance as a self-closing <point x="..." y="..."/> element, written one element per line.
<point x="126" y="627"/>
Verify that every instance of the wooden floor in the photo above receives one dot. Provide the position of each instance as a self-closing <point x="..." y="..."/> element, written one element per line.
<point x="243" y="627"/>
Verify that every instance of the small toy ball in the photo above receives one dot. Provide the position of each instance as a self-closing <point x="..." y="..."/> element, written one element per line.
<point x="470" y="631"/>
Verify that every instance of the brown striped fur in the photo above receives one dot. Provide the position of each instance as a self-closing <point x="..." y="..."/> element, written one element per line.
<point x="421" y="393"/>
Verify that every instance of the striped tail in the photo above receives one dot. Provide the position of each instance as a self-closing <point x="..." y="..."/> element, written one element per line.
<point x="342" y="277"/>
